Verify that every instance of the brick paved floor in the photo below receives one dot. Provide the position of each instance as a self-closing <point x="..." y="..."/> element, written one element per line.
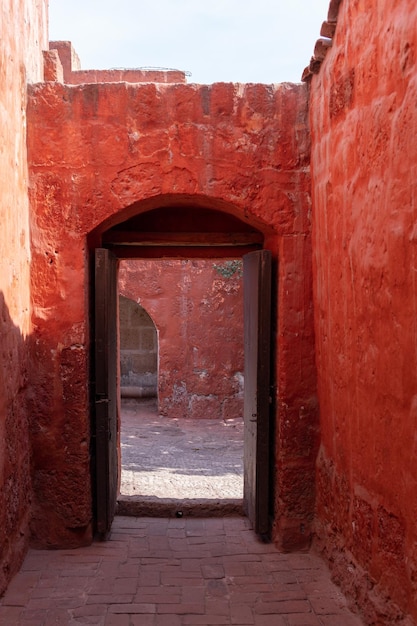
<point x="175" y="572"/>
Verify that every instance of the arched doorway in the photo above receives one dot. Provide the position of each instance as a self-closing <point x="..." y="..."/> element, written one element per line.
<point x="138" y="351"/>
<point x="186" y="452"/>
<point x="240" y="150"/>
<point x="187" y="231"/>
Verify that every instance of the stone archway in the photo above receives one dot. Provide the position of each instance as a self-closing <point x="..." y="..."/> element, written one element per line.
<point x="100" y="154"/>
<point x="186" y="231"/>
<point x="138" y="350"/>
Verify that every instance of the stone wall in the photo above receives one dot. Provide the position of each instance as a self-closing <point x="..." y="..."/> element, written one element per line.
<point x="102" y="153"/>
<point x="23" y="34"/>
<point x="138" y="350"/>
<point x="364" y="173"/>
<point x="197" y="306"/>
<point x="63" y="63"/>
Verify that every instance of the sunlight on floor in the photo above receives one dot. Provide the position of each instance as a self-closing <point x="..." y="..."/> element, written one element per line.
<point x="179" y="458"/>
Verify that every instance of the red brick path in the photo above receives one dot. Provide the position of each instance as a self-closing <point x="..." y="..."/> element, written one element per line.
<point x="172" y="572"/>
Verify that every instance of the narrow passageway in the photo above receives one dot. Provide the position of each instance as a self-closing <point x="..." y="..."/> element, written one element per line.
<point x="176" y="459"/>
<point x="174" y="572"/>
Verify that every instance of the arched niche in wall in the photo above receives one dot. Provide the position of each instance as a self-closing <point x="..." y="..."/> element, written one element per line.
<point x="138" y="350"/>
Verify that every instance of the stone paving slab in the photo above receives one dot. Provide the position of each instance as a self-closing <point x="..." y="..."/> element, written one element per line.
<point x="168" y="572"/>
<point x="179" y="458"/>
<point x="177" y="465"/>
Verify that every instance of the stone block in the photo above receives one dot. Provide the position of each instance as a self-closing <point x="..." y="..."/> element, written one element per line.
<point x="52" y="67"/>
<point x="129" y="338"/>
<point x="139" y="317"/>
<point x="232" y="408"/>
<point x="204" y="407"/>
<point x="148" y="340"/>
<point x="143" y="362"/>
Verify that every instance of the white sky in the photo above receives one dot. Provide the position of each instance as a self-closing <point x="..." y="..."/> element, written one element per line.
<point x="264" y="41"/>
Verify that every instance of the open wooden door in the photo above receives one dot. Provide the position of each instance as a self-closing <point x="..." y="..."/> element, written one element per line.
<point x="257" y="340"/>
<point x="106" y="426"/>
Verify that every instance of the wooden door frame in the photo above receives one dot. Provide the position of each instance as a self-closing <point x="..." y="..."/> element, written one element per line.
<point x="265" y="527"/>
<point x="105" y="430"/>
<point x="257" y="276"/>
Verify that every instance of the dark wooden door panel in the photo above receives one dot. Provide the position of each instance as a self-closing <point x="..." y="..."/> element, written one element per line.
<point x="257" y="339"/>
<point x="106" y="389"/>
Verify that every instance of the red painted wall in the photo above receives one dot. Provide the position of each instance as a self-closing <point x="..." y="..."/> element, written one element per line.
<point x="364" y="173"/>
<point x="70" y="67"/>
<point x="23" y="32"/>
<point x="197" y="308"/>
<point x="101" y="153"/>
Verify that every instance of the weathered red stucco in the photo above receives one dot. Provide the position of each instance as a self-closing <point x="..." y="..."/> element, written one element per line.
<point x="197" y="307"/>
<point x="101" y="153"/>
<point x="364" y="154"/>
<point x="63" y="61"/>
<point x="21" y="61"/>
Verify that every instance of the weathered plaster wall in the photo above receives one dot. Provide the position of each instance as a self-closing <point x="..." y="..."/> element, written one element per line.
<point x="23" y="33"/>
<point x="72" y="74"/>
<point x="102" y="153"/>
<point x="364" y="172"/>
<point x="197" y="306"/>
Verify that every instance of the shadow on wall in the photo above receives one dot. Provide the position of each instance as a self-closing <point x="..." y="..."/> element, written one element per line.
<point x="15" y="479"/>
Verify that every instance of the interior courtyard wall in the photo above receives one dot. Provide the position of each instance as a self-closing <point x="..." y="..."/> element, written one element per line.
<point x="197" y="306"/>
<point x="100" y="153"/>
<point x="364" y="187"/>
<point x="23" y="34"/>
